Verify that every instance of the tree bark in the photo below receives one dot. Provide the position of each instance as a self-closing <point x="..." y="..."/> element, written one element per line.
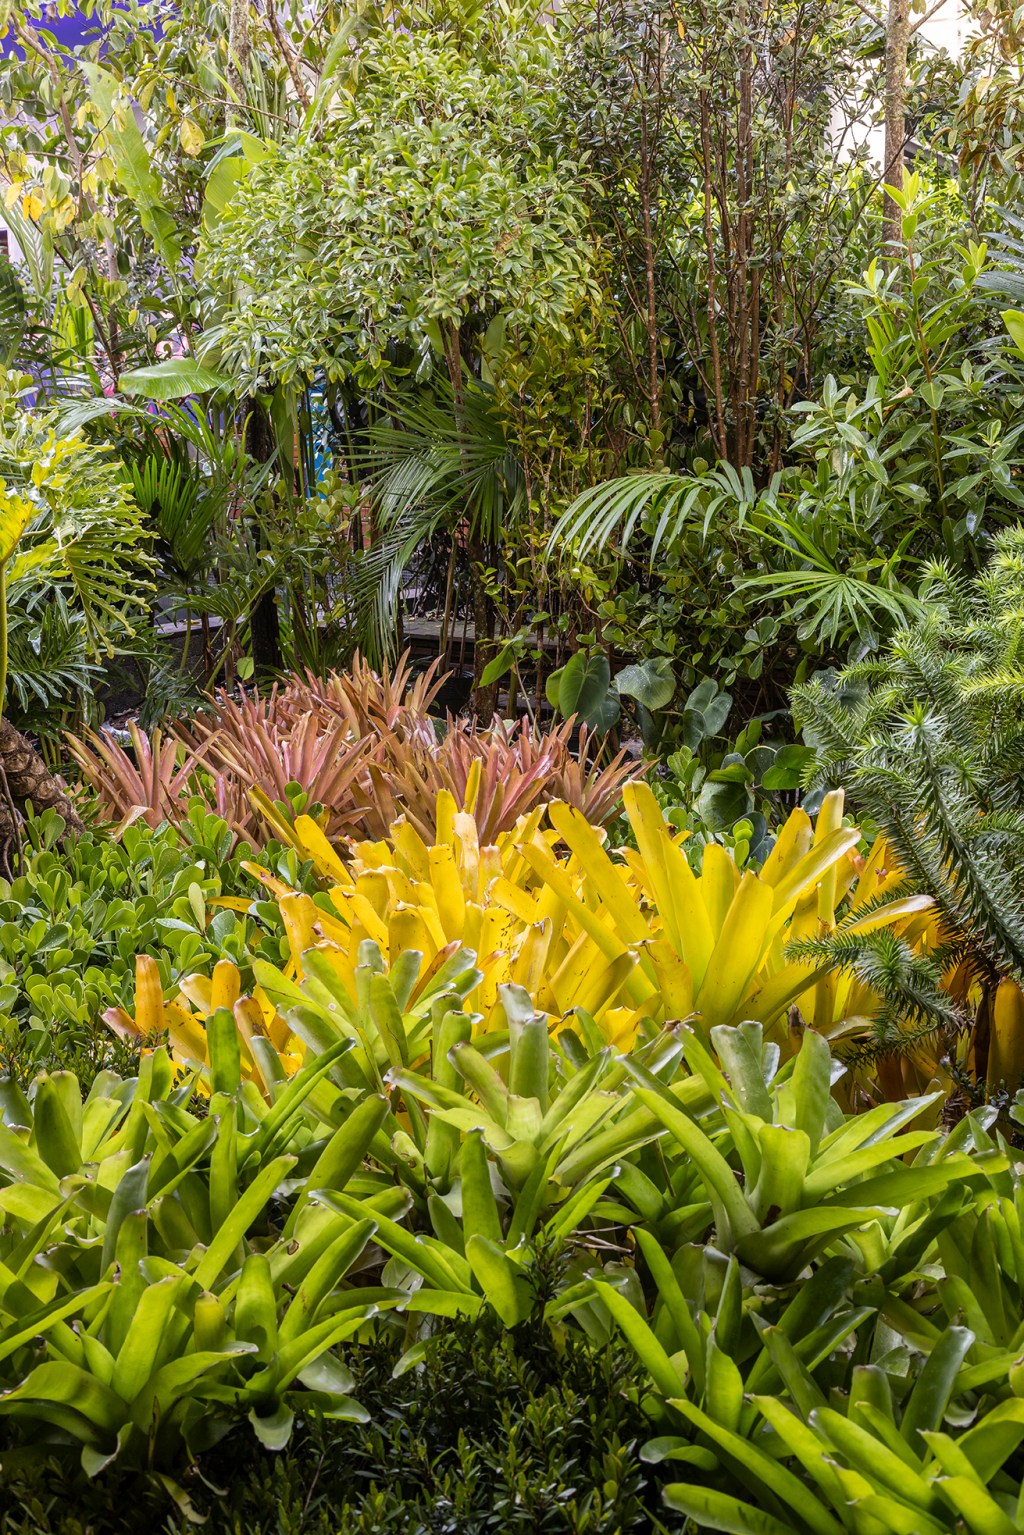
<point x="287" y="52"/>
<point x="484" y="698"/>
<point x="264" y="620"/>
<point x="897" y="39"/>
<point x="650" y="275"/>
<point x="24" y="778"/>
<point x="238" y="59"/>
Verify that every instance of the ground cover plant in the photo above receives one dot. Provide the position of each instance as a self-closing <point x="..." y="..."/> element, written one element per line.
<point x="494" y="1431"/>
<point x="76" y="917"/>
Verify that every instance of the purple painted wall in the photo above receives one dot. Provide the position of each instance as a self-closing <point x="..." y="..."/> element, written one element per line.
<point x="70" y="31"/>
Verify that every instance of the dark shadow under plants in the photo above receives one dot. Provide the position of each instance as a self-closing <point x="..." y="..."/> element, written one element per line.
<point x="493" y="1432"/>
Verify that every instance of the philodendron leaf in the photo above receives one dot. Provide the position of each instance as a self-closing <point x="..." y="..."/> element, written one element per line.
<point x="651" y="682"/>
<point x="16" y="512"/>
<point x="787" y="767"/>
<point x="583" y="687"/>
<point x="702" y="695"/>
<point x="713" y="705"/>
<point x="607" y="716"/>
<point x="694" y="729"/>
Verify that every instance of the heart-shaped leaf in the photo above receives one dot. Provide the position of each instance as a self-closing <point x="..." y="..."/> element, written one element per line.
<point x="651" y="682"/>
<point x="583" y="688"/>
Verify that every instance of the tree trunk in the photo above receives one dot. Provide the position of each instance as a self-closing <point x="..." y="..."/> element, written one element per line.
<point x="265" y="634"/>
<point x="981" y="1041"/>
<point x="24" y="778"/>
<point x="657" y="436"/>
<point x="287" y="52"/>
<point x="484" y="698"/>
<point x="264" y="621"/>
<point x="238" y="59"/>
<point x="897" y="39"/>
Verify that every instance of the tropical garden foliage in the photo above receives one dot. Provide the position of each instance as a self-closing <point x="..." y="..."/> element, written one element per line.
<point x="511" y="768"/>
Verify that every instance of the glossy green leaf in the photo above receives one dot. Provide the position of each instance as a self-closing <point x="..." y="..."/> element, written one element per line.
<point x="720" y="1511"/>
<point x="176" y="378"/>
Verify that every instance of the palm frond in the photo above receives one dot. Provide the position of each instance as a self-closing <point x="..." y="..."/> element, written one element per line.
<point x="658" y="504"/>
<point x="181" y="505"/>
<point x="442" y="458"/>
<point x="49" y="663"/>
<point x="437" y="462"/>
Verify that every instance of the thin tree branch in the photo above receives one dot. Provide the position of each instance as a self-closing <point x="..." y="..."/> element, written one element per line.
<point x="287" y="52"/>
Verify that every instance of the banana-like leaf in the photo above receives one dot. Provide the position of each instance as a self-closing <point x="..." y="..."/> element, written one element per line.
<point x="173" y="379"/>
<point x="132" y="163"/>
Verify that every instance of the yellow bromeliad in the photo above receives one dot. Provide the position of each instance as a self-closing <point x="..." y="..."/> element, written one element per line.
<point x="633" y="938"/>
<point x="713" y="946"/>
<point x="625" y="938"/>
<point x="405" y="895"/>
<point x="183" y="1019"/>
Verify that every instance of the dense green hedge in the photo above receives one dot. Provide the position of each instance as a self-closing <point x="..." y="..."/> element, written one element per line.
<point x="493" y="1432"/>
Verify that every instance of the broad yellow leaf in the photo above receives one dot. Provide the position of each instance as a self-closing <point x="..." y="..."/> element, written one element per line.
<point x="313" y="844"/>
<point x="16" y="512"/>
<point x="738" y="953"/>
<point x="191" y="136"/>
<point x="149" y="996"/>
<point x="1006" y="1048"/>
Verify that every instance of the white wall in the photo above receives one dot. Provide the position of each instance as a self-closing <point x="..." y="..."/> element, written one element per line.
<point x="945" y="30"/>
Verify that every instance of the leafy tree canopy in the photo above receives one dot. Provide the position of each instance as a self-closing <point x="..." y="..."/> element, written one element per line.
<point x="432" y="197"/>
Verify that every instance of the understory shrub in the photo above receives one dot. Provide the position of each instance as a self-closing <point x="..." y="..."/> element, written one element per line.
<point x="80" y="911"/>
<point x="492" y="1432"/>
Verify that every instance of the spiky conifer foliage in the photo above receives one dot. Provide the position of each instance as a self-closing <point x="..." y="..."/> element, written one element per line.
<point x="908" y="984"/>
<point x="928" y="739"/>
